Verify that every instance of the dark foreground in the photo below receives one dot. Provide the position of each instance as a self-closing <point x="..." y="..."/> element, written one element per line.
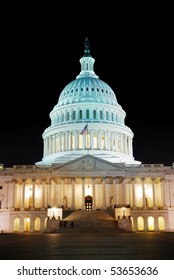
<point x="87" y="246"/>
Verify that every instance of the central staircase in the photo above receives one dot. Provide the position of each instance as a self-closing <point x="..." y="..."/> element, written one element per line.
<point x="101" y="221"/>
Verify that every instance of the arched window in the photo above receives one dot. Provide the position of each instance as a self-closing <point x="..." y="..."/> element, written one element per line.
<point x="74" y="115"/>
<point x="27" y="224"/>
<point x="161" y="223"/>
<point x="37" y="224"/>
<point x="16" y="224"/>
<point x="140" y="222"/>
<point x="150" y="223"/>
<point x="101" y="115"/>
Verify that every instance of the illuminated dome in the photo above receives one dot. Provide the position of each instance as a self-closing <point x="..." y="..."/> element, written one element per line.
<point x="87" y="100"/>
<point x="87" y="88"/>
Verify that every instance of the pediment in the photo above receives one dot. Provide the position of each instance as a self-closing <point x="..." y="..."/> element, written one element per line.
<point x="87" y="163"/>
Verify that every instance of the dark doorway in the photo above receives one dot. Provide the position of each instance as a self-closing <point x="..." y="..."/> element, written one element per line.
<point x="88" y="202"/>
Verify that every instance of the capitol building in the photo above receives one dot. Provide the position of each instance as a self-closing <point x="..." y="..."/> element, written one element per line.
<point x="87" y="167"/>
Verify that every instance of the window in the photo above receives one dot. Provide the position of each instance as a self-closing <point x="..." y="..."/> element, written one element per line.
<point x="62" y="117"/>
<point x="67" y="116"/>
<point x="101" y="115"/>
<point x="80" y="114"/>
<point x="74" y="115"/>
<point x="94" y="114"/>
<point x="87" y="114"/>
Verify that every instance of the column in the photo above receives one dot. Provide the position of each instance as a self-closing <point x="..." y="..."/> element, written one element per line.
<point x="83" y="141"/>
<point x="133" y="194"/>
<point x="8" y="193"/>
<point x="154" y="193"/>
<point x="105" y="141"/>
<point x="123" y="191"/>
<point x="47" y="193"/>
<point x="73" y="193"/>
<point x="144" y="197"/>
<point x="112" y="142"/>
<point x="93" y="193"/>
<point x="162" y="193"/>
<point x="103" y="193"/>
<point x="131" y="147"/>
<point x="171" y="194"/>
<point x="121" y="142"/>
<point x="54" y="143"/>
<point x="99" y="140"/>
<point x="130" y="193"/>
<point x="59" y="142"/>
<point x="114" y="189"/>
<point x="70" y="141"/>
<point x="43" y="195"/>
<point x="83" y="193"/>
<point x="14" y="193"/>
<point x="33" y="195"/>
<point x="109" y="140"/>
<point x="76" y="142"/>
<point x="63" y="141"/>
<point x="50" y="144"/>
<point x="62" y="181"/>
<point x="116" y="141"/>
<point x="91" y="140"/>
<point x="66" y="141"/>
<point x="53" y="193"/>
<point x="125" y="143"/>
<point x="22" y="195"/>
<point x="44" y="147"/>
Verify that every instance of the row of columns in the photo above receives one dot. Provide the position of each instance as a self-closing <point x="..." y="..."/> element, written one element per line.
<point x="73" y="140"/>
<point x="49" y="189"/>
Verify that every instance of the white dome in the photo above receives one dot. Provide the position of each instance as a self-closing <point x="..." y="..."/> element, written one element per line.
<point x="87" y="100"/>
<point x="87" y="89"/>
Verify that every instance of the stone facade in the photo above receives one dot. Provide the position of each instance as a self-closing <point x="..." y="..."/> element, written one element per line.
<point x="87" y="183"/>
<point x="87" y="171"/>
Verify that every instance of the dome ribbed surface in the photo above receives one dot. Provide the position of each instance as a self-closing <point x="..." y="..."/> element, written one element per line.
<point x="87" y="89"/>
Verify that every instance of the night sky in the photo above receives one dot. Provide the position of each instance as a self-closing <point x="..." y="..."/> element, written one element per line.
<point x="40" y="56"/>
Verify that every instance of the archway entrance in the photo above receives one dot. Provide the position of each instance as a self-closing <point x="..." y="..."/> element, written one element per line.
<point x="88" y="202"/>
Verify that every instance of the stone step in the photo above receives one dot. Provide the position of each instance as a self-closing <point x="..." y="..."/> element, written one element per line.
<point x="89" y="221"/>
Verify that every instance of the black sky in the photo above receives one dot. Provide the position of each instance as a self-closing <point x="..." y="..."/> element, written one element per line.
<point x="40" y="56"/>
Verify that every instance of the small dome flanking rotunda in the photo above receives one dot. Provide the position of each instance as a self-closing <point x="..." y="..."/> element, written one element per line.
<point x="90" y="103"/>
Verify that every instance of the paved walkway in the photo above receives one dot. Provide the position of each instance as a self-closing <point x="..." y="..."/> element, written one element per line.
<point x="87" y="246"/>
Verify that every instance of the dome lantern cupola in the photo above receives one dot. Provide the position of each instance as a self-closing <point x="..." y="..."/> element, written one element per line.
<point x="87" y="63"/>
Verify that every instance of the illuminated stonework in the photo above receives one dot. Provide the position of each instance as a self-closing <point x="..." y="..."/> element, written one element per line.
<point x="87" y="172"/>
<point x="87" y="99"/>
